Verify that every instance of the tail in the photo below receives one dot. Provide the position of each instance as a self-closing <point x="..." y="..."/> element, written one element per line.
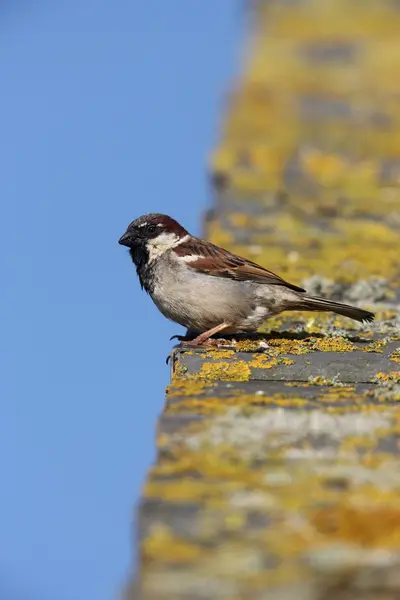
<point x="315" y="303"/>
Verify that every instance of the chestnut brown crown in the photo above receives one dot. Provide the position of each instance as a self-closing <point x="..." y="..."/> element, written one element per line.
<point x="148" y="227"/>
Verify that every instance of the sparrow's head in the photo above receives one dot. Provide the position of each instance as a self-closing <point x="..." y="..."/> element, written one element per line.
<point x="149" y="236"/>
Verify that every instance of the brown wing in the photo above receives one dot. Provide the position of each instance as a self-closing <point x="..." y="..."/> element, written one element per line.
<point x="220" y="263"/>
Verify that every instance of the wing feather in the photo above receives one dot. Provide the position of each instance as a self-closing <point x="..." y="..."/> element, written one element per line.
<point x="218" y="262"/>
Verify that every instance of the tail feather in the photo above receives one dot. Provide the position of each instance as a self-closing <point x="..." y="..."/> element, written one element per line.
<point x="315" y="303"/>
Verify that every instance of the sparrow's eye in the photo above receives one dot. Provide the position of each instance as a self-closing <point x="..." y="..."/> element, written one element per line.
<point x="151" y="229"/>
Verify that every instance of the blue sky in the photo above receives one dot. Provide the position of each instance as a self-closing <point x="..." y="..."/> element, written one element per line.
<point x="108" y="110"/>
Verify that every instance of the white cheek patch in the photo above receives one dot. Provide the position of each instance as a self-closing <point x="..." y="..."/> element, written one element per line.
<point x="163" y="242"/>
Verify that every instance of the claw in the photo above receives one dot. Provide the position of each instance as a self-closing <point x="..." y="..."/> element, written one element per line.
<point x="170" y="357"/>
<point x="177" y="337"/>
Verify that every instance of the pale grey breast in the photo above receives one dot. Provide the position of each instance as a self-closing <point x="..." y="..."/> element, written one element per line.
<point x="199" y="301"/>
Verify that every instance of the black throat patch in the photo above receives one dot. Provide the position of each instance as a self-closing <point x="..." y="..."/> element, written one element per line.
<point x="140" y="257"/>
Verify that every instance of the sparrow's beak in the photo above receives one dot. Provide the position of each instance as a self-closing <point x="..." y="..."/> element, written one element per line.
<point x="127" y="240"/>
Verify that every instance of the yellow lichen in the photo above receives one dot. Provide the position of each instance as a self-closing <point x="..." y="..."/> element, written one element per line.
<point x="219" y="354"/>
<point x="370" y="526"/>
<point x="389" y="376"/>
<point x="263" y="361"/>
<point x="339" y="394"/>
<point x="336" y="344"/>
<point x="163" y="544"/>
<point x="395" y="356"/>
<point x="217" y="405"/>
<point x="320" y="380"/>
<point x="376" y="346"/>
<point x="225" y="371"/>
<point x="187" y="386"/>
<point x="309" y="161"/>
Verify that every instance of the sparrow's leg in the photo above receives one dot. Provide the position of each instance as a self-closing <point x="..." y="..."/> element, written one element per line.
<point x="200" y="340"/>
<point x="203" y="337"/>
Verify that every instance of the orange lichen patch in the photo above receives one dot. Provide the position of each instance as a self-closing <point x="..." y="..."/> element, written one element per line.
<point x="340" y="395"/>
<point x="319" y="380"/>
<point x="248" y="345"/>
<point x="263" y="361"/>
<point x="287" y="361"/>
<point x="318" y="344"/>
<point x="329" y="169"/>
<point x="239" y="370"/>
<point x="359" y="442"/>
<point x="186" y="386"/>
<point x="367" y="232"/>
<point x="336" y="344"/>
<point x="370" y="526"/>
<point x="240" y="220"/>
<point x="308" y="21"/>
<point x="218" y="405"/>
<point x="391" y="376"/>
<point x="376" y="346"/>
<point x="219" y="354"/>
<point x="185" y="490"/>
<point x="286" y="343"/>
<point x="162" y="544"/>
<point x="206" y="406"/>
<point x="232" y="471"/>
<point x="225" y="371"/>
<point x="395" y="356"/>
<point x="289" y="346"/>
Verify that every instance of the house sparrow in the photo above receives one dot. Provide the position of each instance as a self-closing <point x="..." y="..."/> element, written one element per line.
<point x="209" y="290"/>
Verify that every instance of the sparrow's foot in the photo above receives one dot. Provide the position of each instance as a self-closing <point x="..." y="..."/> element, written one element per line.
<point x="189" y="343"/>
<point x="181" y="338"/>
<point x="171" y="357"/>
<point x="203" y="340"/>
